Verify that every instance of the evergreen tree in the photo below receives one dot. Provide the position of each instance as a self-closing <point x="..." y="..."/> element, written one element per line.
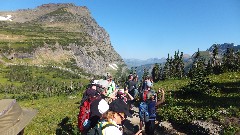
<point x="198" y="65"/>
<point x="209" y="68"/>
<point x="228" y="60"/>
<point x="133" y="70"/>
<point x="237" y="60"/>
<point x="145" y="73"/>
<point x="215" y="55"/>
<point x="180" y="66"/>
<point x="166" y="69"/>
<point x="156" y="73"/>
<point x="215" y="62"/>
<point x="171" y="68"/>
<point x="160" y="72"/>
<point x="174" y="67"/>
<point x="198" y="76"/>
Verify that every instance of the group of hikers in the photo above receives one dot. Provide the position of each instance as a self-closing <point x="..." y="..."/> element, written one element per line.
<point x="105" y="107"/>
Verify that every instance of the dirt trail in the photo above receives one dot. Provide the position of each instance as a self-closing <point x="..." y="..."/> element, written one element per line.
<point x="131" y="125"/>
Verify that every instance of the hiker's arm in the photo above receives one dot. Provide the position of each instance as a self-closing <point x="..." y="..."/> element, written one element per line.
<point x="112" y="95"/>
<point x="129" y="95"/>
<point x="163" y="97"/>
<point x="139" y="132"/>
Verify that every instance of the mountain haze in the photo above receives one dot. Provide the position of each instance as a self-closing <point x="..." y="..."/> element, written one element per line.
<point x="137" y="62"/>
<point x="57" y="34"/>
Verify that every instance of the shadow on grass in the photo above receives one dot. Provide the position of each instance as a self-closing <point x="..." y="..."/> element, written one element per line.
<point x="228" y="87"/>
<point x="229" y="95"/>
<point x="66" y="127"/>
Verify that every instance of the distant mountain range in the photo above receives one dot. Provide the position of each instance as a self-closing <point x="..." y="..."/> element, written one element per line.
<point x="188" y="59"/>
<point x="137" y="62"/>
<point x="223" y="47"/>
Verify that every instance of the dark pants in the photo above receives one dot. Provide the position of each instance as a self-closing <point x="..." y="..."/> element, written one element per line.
<point x="150" y="127"/>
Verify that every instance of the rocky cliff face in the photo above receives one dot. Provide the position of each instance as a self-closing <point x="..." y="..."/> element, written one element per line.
<point x="69" y="31"/>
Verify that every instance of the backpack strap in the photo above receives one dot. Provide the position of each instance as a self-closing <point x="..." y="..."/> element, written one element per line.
<point x="108" y="124"/>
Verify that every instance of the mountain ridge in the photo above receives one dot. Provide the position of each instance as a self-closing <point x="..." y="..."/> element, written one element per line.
<point x="61" y="30"/>
<point x="188" y="59"/>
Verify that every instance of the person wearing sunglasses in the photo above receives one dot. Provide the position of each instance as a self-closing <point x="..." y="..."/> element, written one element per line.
<point x="118" y="111"/>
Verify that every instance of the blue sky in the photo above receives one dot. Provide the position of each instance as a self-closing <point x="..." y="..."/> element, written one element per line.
<point x="153" y="28"/>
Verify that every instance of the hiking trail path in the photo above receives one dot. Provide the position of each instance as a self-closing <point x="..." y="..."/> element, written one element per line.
<point x="131" y="126"/>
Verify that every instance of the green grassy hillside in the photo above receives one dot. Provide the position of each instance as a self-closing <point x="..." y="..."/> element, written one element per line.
<point x="53" y="92"/>
<point x="221" y="106"/>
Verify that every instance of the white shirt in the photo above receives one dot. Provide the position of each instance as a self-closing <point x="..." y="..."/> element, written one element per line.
<point x="112" y="130"/>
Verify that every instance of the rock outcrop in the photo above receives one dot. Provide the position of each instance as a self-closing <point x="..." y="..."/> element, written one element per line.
<point x="61" y="26"/>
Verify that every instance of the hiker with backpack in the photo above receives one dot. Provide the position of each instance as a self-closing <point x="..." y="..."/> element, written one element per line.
<point x="91" y="94"/>
<point x="131" y="86"/>
<point x="147" y="109"/>
<point x="91" y="91"/>
<point x="89" y="114"/>
<point x="111" y="86"/>
<point x="111" y="124"/>
<point x="124" y="95"/>
<point x="146" y="83"/>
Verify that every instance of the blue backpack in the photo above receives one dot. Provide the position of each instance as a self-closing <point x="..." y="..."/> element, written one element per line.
<point x="147" y="111"/>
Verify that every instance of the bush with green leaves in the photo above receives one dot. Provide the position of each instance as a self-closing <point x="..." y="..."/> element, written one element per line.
<point x="221" y="105"/>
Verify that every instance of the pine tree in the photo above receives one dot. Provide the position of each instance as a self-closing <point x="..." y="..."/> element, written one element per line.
<point x="180" y="66"/>
<point x="198" y="66"/>
<point x="175" y="65"/>
<point x="237" y="60"/>
<point x="198" y="76"/>
<point x="171" y="68"/>
<point x="209" y="68"/>
<point x="228" y="60"/>
<point x="161" y="72"/>
<point x="156" y="73"/>
<point x="133" y="70"/>
<point x="215" y="54"/>
<point x="166" y="69"/>
<point x="145" y="73"/>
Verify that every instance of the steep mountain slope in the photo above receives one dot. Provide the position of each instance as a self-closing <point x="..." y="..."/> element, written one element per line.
<point x="57" y="34"/>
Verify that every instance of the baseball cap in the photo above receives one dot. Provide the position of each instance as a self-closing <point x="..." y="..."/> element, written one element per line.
<point x="91" y="92"/>
<point x="118" y="105"/>
<point x="120" y="91"/>
<point x="103" y="83"/>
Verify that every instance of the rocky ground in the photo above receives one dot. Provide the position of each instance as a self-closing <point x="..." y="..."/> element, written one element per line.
<point x="131" y="126"/>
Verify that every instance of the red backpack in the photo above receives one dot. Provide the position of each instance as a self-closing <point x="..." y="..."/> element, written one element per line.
<point x="84" y="114"/>
<point x="145" y="95"/>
